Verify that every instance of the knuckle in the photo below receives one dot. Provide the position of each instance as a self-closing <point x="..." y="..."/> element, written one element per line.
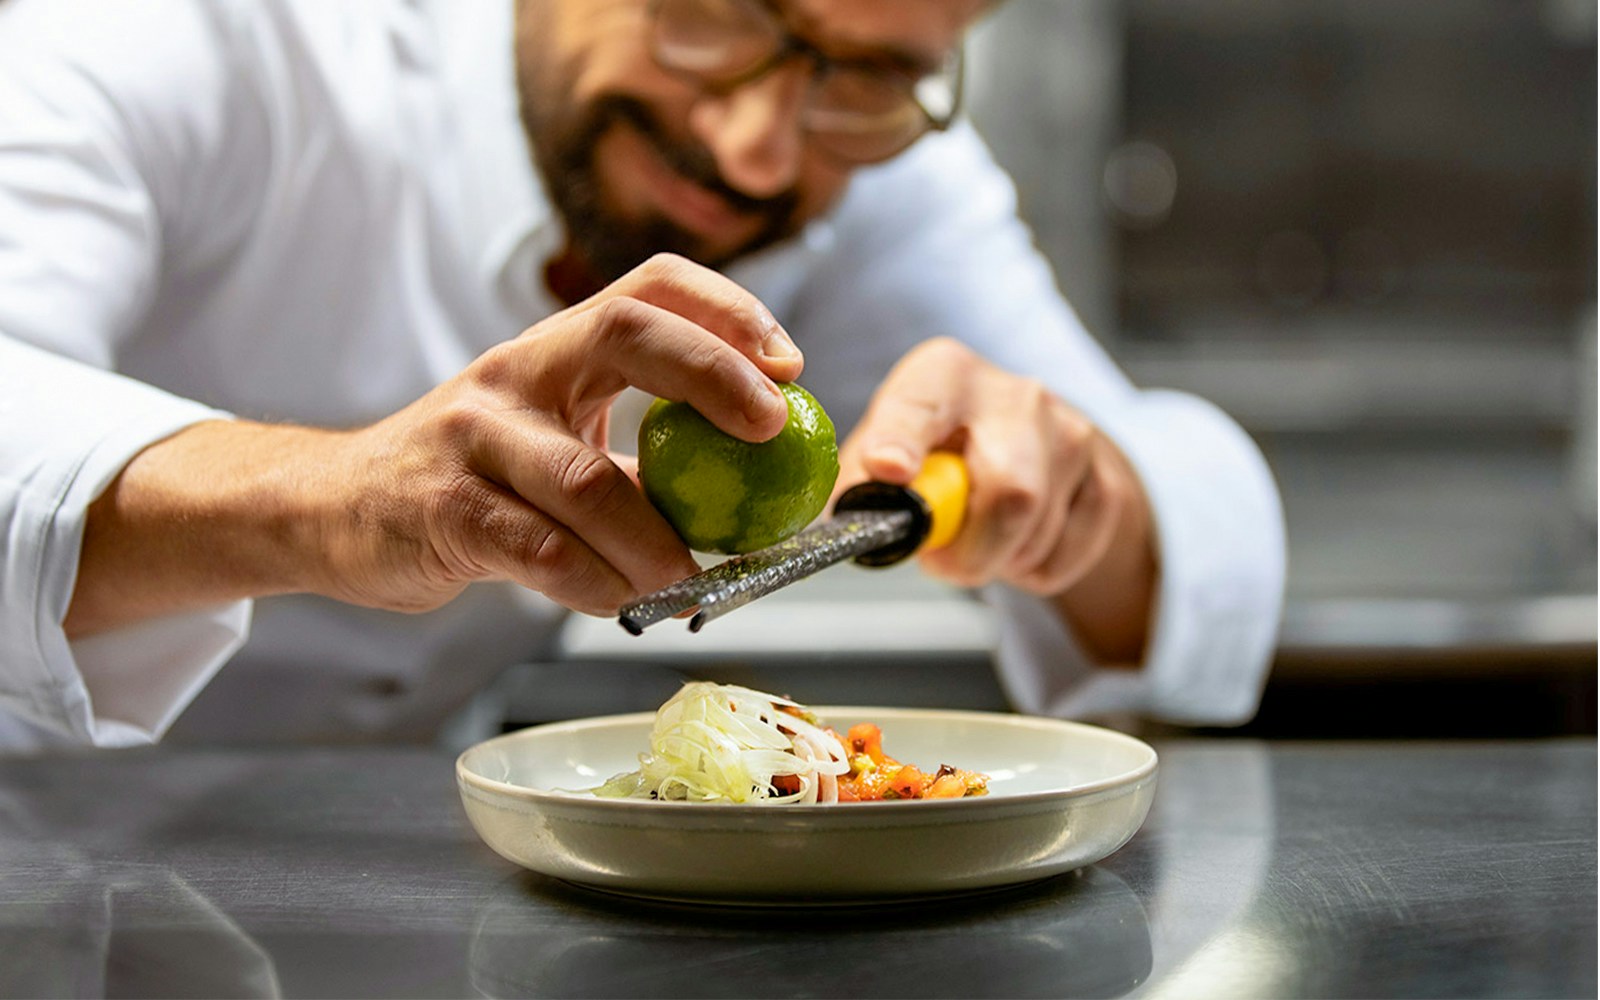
<point x="497" y="366"/>
<point x="745" y="312"/>
<point x="1030" y="394"/>
<point x="958" y="357"/>
<point x="668" y="268"/>
<point x="549" y="551"/>
<point x="564" y="568"/>
<point x="1079" y="432"/>
<point x="670" y="272"/>
<point x="461" y="420"/>
<point x="1011" y="505"/>
<point x="591" y="480"/>
<point x="622" y="317"/>
<point x="945" y="348"/>
<point x="1069" y="426"/>
<point x="464" y="503"/>
<point x="544" y="552"/>
<point x="713" y="362"/>
<point x="462" y="511"/>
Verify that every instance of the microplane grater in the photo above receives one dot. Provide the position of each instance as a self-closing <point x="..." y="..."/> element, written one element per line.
<point x="738" y="581"/>
<point x="875" y="523"/>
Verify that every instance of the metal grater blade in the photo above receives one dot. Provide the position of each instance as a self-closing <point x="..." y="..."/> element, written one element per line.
<point x="742" y="579"/>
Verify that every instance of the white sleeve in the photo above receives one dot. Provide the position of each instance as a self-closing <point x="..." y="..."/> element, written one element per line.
<point x="85" y="161"/>
<point x="931" y="245"/>
<point x="1220" y="538"/>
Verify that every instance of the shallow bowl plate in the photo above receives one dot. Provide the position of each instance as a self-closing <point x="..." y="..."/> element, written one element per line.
<point x="1062" y="795"/>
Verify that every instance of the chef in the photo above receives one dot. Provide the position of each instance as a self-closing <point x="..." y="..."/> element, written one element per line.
<point x="312" y="316"/>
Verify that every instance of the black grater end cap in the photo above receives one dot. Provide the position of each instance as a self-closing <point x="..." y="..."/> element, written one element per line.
<point x="886" y="496"/>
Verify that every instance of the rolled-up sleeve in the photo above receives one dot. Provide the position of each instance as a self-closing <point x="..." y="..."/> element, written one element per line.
<point x="68" y="429"/>
<point x="81" y="247"/>
<point x="1220" y="543"/>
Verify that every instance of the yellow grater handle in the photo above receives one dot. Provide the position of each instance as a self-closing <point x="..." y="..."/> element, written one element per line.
<point x="936" y="500"/>
<point x="942" y="484"/>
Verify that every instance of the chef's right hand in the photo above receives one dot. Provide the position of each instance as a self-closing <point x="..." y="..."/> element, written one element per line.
<point x="500" y="473"/>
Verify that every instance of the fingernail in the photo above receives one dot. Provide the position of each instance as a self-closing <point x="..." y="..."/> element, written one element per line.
<point x="775" y="343"/>
<point x="766" y="399"/>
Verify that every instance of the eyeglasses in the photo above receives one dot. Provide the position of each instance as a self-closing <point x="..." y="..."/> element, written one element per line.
<point x="856" y="112"/>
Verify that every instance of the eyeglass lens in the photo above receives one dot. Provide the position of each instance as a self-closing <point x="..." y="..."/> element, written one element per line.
<point x="855" y="113"/>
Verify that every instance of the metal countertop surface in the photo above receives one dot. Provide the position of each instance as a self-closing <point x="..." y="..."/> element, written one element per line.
<point x="1264" y="870"/>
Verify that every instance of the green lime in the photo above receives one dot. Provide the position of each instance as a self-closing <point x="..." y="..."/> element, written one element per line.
<point x="726" y="495"/>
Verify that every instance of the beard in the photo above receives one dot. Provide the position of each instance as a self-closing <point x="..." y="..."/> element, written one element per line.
<point x="564" y="145"/>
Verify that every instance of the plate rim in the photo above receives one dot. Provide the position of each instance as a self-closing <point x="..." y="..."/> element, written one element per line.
<point x="555" y="798"/>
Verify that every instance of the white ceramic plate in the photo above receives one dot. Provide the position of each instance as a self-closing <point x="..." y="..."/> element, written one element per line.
<point x="1061" y="795"/>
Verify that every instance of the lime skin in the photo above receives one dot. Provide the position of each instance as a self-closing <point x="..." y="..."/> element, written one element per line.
<point x="725" y="495"/>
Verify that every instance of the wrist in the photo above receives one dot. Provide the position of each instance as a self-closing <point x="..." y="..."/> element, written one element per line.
<point x="219" y="512"/>
<point x="1110" y="609"/>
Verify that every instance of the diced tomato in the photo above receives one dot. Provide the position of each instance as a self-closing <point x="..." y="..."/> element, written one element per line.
<point x="951" y="786"/>
<point x="874" y="775"/>
<point x="907" y="782"/>
<point x="864" y="737"/>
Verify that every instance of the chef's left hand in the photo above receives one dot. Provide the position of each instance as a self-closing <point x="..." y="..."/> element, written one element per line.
<point x="1055" y="508"/>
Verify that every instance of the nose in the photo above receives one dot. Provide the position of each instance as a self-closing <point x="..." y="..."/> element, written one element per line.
<point x="754" y="130"/>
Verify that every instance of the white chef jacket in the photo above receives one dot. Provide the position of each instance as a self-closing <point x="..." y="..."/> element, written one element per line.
<point x="316" y="212"/>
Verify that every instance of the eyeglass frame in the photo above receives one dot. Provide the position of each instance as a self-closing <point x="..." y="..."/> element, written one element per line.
<point x="792" y="45"/>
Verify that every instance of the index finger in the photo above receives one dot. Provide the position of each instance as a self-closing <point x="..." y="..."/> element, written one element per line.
<point x="715" y="302"/>
<point x="921" y="405"/>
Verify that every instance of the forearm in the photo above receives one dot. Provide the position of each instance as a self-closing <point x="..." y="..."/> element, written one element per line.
<point x="220" y="511"/>
<point x="498" y="474"/>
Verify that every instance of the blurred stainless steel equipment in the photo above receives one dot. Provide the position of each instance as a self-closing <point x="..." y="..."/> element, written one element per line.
<point x="1368" y="232"/>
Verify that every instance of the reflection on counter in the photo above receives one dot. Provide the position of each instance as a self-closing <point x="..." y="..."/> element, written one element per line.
<point x="127" y="930"/>
<point x="1084" y="934"/>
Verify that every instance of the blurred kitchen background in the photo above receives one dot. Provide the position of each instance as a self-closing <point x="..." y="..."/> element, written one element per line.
<point x="1367" y="230"/>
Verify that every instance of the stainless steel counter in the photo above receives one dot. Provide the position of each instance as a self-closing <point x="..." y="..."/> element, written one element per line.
<point x="1264" y="870"/>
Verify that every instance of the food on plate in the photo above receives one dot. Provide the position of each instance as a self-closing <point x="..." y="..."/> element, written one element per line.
<point x="876" y="775"/>
<point x="725" y="495"/>
<point x="725" y="743"/>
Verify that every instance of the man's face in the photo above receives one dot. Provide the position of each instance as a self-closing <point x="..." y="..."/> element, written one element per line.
<point x="639" y="160"/>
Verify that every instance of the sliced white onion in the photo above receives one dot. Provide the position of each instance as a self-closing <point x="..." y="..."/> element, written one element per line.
<point x="722" y="742"/>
